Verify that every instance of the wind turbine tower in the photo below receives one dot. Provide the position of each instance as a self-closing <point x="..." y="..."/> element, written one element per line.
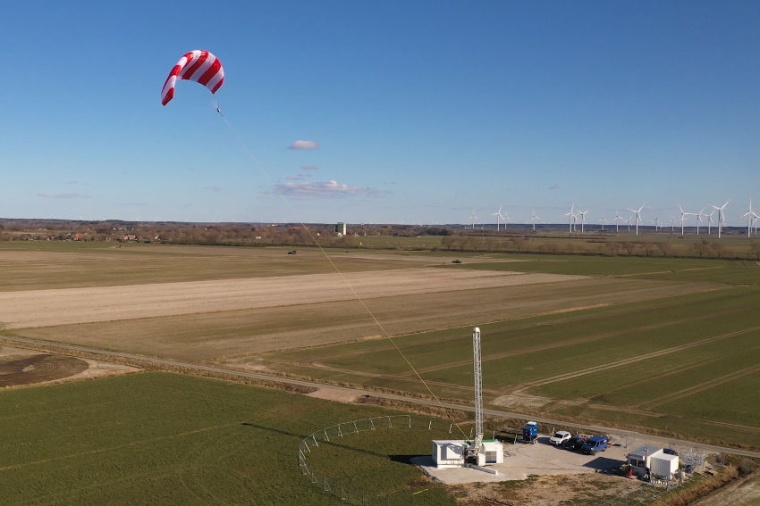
<point x="699" y="216"/>
<point x="534" y="219"/>
<point x="473" y="218"/>
<point x="583" y="218"/>
<point x="721" y="217"/>
<point x="751" y="217"/>
<point x="683" y="216"/>
<point x="499" y="217"/>
<point x="637" y="215"/>
<point x="571" y="217"/>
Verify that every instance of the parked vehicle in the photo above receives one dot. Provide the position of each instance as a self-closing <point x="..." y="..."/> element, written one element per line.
<point x="560" y="438"/>
<point x="574" y="444"/>
<point x="594" y="444"/>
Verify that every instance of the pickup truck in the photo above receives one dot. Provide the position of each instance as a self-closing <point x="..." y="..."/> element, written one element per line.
<point x="594" y="444"/>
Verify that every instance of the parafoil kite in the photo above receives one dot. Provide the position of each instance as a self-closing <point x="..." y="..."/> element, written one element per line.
<point x="200" y="66"/>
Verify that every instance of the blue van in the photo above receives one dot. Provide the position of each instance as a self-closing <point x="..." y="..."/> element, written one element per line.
<point x="594" y="444"/>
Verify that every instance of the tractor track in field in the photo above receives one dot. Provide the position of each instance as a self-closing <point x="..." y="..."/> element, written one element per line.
<point x="700" y="387"/>
<point x="632" y="360"/>
<point x="532" y="349"/>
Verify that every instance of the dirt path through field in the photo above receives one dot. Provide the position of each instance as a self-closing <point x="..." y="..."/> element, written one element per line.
<point x="42" y="308"/>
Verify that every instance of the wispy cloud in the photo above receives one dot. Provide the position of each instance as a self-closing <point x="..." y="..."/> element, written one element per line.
<point x="304" y="145"/>
<point x="322" y="189"/>
<point x="63" y="196"/>
<point x="309" y="167"/>
<point x="298" y="177"/>
<point x="554" y="186"/>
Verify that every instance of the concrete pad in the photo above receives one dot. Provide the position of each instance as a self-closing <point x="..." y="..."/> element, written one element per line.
<point x="523" y="460"/>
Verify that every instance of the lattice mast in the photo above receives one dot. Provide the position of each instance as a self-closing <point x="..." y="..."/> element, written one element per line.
<point x="475" y="448"/>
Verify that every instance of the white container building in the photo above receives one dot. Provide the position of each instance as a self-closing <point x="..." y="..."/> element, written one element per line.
<point x="449" y="453"/>
<point x="663" y="466"/>
<point x="453" y="453"/>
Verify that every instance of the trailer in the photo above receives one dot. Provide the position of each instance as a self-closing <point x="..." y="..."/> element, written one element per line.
<point x="530" y="432"/>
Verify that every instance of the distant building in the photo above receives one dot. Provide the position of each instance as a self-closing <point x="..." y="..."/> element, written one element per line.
<point x="340" y="229"/>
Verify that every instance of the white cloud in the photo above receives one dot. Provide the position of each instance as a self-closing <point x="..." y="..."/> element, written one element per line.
<point x="321" y="189"/>
<point x="304" y="145"/>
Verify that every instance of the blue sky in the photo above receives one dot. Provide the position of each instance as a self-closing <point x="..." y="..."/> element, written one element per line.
<point x="415" y="111"/>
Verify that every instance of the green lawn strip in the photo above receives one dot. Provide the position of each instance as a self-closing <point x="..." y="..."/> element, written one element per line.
<point x="159" y="438"/>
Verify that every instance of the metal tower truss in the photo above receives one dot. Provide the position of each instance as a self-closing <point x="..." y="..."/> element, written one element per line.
<point x="475" y="448"/>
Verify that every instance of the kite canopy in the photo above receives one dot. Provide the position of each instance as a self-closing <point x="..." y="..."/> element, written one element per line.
<point x="200" y="66"/>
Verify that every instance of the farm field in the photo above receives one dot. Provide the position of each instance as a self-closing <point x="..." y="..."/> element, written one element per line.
<point x="161" y="438"/>
<point x="662" y="345"/>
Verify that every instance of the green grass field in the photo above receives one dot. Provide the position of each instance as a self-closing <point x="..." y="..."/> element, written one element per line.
<point x="160" y="438"/>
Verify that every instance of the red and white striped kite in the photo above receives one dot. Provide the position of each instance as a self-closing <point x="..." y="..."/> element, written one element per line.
<point x="199" y="66"/>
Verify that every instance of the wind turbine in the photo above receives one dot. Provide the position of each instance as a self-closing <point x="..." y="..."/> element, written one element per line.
<point x="499" y="216"/>
<point x="699" y="217"/>
<point x="656" y="224"/>
<point x="534" y="219"/>
<point x="637" y="215"/>
<point x="583" y="218"/>
<point x="721" y="217"/>
<point x="709" y="222"/>
<point x="473" y="218"/>
<point x="604" y="222"/>
<point x="684" y="214"/>
<point x="618" y="219"/>
<point x="571" y="218"/>
<point x="751" y="217"/>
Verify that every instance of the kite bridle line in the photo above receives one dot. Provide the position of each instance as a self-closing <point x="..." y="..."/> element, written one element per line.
<point x="335" y="267"/>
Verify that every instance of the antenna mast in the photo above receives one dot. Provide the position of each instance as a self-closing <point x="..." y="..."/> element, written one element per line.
<point x="475" y="448"/>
